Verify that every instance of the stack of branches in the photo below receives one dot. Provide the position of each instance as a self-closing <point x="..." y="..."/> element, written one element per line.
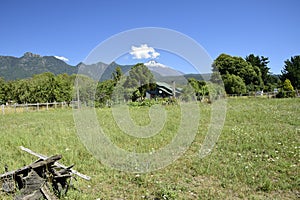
<point x="42" y="179"/>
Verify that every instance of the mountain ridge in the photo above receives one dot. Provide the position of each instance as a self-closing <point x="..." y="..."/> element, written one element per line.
<point x="13" y="68"/>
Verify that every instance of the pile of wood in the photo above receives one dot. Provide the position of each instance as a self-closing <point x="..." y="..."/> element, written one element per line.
<point x="42" y="179"/>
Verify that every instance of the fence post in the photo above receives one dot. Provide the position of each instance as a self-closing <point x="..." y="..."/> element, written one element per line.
<point x="37" y="105"/>
<point x="26" y="107"/>
<point x="15" y="105"/>
<point x="55" y="104"/>
<point x="2" y="106"/>
<point x="47" y="105"/>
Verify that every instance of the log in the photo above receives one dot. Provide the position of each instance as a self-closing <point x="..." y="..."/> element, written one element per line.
<point x="56" y="163"/>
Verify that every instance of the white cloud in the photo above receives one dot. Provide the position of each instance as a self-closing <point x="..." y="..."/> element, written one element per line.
<point x="62" y="58"/>
<point x="143" y="52"/>
<point x="153" y="63"/>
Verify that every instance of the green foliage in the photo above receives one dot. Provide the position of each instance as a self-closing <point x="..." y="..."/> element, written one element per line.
<point x="3" y="91"/>
<point x="117" y="74"/>
<point x="112" y="90"/>
<point x="237" y="66"/>
<point x="104" y="92"/>
<point x="287" y="90"/>
<point x="188" y="93"/>
<point x="287" y="85"/>
<point x="140" y="78"/>
<point x="215" y="91"/>
<point x="262" y="63"/>
<point x="43" y="86"/>
<point x="21" y="91"/>
<point x="234" y="84"/>
<point x="200" y="88"/>
<point x="40" y="88"/>
<point x="64" y="88"/>
<point x="85" y="89"/>
<point x="145" y="102"/>
<point x="272" y="82"/>
<point x="291" y="71"/>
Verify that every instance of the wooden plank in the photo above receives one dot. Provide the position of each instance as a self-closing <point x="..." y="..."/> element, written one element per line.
<point x="56" y="163"/>
<point x="15" y="172"/>
<point x="49" y="161"/>
<point x="47" y="194"/>
<point x="34" y="165"/>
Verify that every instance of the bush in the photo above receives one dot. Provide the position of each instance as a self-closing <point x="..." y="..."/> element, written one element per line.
<point x="287" y="90"/>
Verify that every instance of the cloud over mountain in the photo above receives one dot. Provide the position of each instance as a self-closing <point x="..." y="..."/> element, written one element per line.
<point x="153" y="63"/>
<point x="161" y="69"/>
<point x="143" y="52"/>
<point x="62" y="58"/>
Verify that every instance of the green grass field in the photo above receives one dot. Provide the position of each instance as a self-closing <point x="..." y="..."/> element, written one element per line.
<point x="257" y="155"/>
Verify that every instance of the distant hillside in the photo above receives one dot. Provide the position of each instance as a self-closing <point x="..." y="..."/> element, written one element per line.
<point x="111" y="68"/>
<point x="12" y="68"/>
<point x="182" y="79"/>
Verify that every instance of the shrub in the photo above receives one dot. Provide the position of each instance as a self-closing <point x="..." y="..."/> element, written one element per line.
<point x="287" y="90"/>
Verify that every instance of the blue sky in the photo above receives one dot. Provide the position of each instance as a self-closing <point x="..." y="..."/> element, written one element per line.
<point x="72" y="28"/>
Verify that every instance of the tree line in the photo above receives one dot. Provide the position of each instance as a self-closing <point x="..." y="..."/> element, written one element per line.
<point x="47" y="87"/>
<point x="43" y="88"/>
<point x="239" y="75"/>
<point x="244" y="75"/>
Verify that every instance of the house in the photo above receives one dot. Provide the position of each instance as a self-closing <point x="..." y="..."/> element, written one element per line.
<point x="163" y="90"/>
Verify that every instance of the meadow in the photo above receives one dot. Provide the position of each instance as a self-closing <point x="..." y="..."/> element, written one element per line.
<point x="257" y="155"/>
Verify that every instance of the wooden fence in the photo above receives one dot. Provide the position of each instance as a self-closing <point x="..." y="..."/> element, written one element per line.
<point x="262" y="94"/>
<point x="14" y="108"/>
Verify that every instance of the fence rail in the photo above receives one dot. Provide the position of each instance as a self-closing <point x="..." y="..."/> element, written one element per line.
<point x="263" y="94"/>
<point x="14" y="108"/>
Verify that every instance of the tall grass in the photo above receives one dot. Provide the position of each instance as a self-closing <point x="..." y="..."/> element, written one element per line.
<point x="256" y="156"/>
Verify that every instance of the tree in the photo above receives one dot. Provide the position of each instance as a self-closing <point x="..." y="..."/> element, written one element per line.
<point x="262" y="63"/>
<point x="291" y="71"/>
<point x="103" y="92"/>
<point x="234" y="84"/>
<point x="3" y="89"/>
<point x="43" y="87"/>
<point x="140" y="78"/>
<point x="63" y="88"/>
<point x="117" y="74"/>
<point x="85" y="88"/>
<point x="22" y="91"/>
<point x="199" y="87"/>
<point x="233" y="65"/>
<point x="287" y="90"/>
<point x="188" y="93"/>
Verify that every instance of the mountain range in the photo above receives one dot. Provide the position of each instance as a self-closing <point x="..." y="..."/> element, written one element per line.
<point x="13" y="68"/>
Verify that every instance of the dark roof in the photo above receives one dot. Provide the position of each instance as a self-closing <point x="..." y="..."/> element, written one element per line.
<point x="167" y="88"/>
